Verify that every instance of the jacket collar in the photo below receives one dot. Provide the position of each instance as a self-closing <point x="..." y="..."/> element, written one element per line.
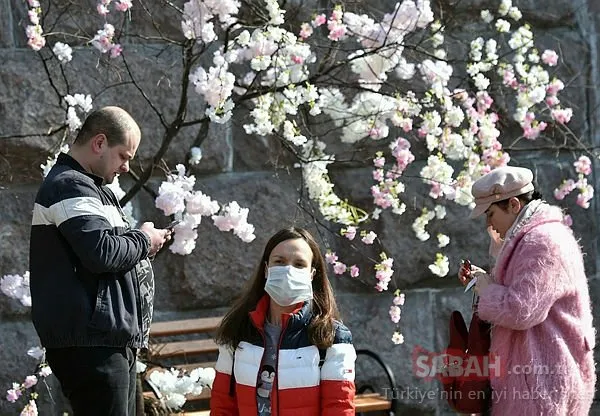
<point x="297" y="319"/>
<point x="545" y="214"/>
<point x="65" y="159"/>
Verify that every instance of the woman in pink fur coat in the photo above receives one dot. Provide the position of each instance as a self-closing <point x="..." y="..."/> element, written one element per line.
<point x="536" y="299"/>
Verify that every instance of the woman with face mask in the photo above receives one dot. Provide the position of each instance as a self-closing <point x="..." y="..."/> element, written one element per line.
<point x="282" y="349"/>
<point x="537" y="300"/>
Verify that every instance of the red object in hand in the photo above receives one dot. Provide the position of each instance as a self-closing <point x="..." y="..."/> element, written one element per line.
<point x="465" y="271"/>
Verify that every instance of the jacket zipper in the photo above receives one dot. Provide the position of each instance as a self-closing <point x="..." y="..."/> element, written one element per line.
<point x="262" y="333"/>
<point x="277" y="361"/>
<point x="136" y="281"/>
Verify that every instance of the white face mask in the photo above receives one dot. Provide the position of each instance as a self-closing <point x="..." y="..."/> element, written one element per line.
<point x="288" y="285"/>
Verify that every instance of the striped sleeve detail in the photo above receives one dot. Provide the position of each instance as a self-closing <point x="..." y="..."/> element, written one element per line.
<point x="69" y="208"/>
<point x="247" y="363"/>
<point x="298" y="368"/>
<point x="225" y="361"/>
<point x="339" y="363"/>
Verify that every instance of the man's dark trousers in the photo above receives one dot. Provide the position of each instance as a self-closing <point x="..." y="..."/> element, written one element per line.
<point x="97" y="380"/>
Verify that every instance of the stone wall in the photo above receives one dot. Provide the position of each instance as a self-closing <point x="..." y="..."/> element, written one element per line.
<point x="237" y="166"/>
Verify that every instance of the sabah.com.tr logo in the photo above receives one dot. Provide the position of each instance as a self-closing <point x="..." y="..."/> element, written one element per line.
<point x="454" y="363"/>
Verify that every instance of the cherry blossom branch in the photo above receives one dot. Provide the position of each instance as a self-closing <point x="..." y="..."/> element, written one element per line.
<point x="172" y="129"/>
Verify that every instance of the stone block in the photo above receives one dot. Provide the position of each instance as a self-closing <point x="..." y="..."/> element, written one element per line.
<point x="17" y="207"/>
<point x="6" y="31"/>
<point x="156" y="19"/>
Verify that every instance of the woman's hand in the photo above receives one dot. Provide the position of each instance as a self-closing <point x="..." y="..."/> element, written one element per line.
<point x="495" y="242"/>
<point x="468" y="272"/>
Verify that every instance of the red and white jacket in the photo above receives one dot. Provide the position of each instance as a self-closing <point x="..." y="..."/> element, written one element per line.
<point x="302" y="387"/>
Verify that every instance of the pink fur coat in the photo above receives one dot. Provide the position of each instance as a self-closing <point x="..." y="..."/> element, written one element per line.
<point x="542" y="331"/>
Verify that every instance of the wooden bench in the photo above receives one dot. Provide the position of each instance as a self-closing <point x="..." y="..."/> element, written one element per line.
<point x="192" y="352"/>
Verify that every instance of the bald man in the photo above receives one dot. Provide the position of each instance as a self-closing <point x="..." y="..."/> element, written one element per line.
<point x="92" y="285"/>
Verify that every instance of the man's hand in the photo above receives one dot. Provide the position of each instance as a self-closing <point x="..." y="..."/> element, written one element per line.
<point x="158" y="237"/>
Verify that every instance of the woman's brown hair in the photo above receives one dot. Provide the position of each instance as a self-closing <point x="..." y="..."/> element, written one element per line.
<point x="236" y="325"/>
<point x="524" y="198"/>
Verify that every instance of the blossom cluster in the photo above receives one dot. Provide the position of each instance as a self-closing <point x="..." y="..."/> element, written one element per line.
<point x="34" y="31"/>
<point x="75" y="102"/>
<point x="176" y="196"/>
<point x="19" y="390"/>
<point x="174" y="385"/>
<point x="583" y="167"/>
<point x="16" y="286"/>
<point x="395" y="313"/>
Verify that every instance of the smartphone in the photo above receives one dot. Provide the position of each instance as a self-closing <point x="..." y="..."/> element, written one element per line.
<point x="172" y="225"/>
<point x="466" y="264"/>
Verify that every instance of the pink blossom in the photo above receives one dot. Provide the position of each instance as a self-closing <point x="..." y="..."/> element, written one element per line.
<point x="337" y="14"/>
<point x="399" y="300"/>
<point x="529" y="117"/>
<point x="349" y="233"/>
<point x="379" y="162"/>
<point x="395" y="314"/>
<point x="102" y="9"/>
<point x="297" y="59"/>
<point x="509" y="79"/>
<point x="331" y="258"/>
<point x="554" y="87"/>
<point x="436" y="190"/>
<point x="319" y="20"/>
<point x="384" y="275"/>
<point x="387" y="263"/>
<point x="33" y="3"/>
<point x="124" y="5"/>
<point x="223" y="223"/>
<point x="13" y="395"/>
<point x="375" y="133"/>
<point x="35" y="39"/>
<point x="339" y="267"/>
<point x="369" y="238"/>
<point x="381" y="286"/>
<point x="30" y="381"/>
<point x="406" y="124"/>
<point x="484" y="101"/>
<point x="305" y="31"/>
<point x="170" y="199"/>
<point x="567" y="220"/>
<point x="564" y="189"/>
<point x="583" y="165"/>
<point x="549" y="57"/>
<point x="116" y="50"/>
<point x="30" y="409"/>
<point x="337" y="32"/>
<point x="583" y="200"/>
<point x="378" y="175"/>
<point x="34" y="18"/>
<point x="562" y="116"/>
<point x="354" y="270"/>
<point x="552" y="100"/>
<point x="530" y="133"/>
